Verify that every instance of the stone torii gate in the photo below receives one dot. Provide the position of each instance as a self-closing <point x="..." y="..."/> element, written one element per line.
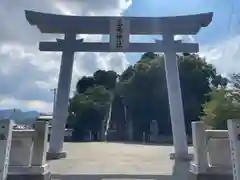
<point x="119" y="29"/>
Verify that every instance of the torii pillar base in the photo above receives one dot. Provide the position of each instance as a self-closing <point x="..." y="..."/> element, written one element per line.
<point x="188" y="157"/>
<point x="56" y="155"/>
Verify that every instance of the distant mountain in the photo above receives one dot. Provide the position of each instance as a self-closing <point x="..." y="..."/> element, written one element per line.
<point x="5" y="113"/>
<point x="19" y="116"/>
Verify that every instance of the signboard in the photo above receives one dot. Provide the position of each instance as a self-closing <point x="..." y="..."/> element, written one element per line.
<point x="6" y="127"/>
<point x="119" y="34"/>
<point x="234" y="137"/>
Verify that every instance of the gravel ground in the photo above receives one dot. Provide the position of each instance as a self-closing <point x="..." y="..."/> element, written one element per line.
<point x="100" y="160"/>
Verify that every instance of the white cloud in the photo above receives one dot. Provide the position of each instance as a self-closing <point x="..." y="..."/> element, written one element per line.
<point x="225" y="55"/>
<point x="12" y="103"/>
<point x="27" y="74"/>
<point x="185" y="38"/>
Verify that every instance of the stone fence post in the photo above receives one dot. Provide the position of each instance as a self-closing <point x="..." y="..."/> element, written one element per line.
<point x="6" y="127"/>
<point x="199" y="146"/>
<point x="234" y="137"/>
<point x="40" y="143"/>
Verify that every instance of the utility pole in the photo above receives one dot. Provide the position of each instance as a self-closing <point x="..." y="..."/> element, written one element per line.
<point x="54" y="91"/>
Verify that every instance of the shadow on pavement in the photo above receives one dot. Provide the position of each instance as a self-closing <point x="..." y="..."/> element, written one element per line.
<point x="180" y="172"/>
<point x="145" y="144"/>
<point x="110" y="176"/>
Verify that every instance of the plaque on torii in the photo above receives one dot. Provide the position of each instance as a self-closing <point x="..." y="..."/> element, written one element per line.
<point x="119" y="29"/>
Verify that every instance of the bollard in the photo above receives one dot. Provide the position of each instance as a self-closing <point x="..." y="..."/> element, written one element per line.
<point x="90" y="135"/>
<point x="144" y="137"/>
<point x="6" y="127"/>
<point x="130" y="130"/>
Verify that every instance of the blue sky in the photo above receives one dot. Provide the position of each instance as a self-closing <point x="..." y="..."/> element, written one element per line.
<point x="19" y="52"/>
<point x="224" y="22"/>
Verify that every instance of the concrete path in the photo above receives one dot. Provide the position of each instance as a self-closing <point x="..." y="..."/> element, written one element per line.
<point x="113" y="161"/>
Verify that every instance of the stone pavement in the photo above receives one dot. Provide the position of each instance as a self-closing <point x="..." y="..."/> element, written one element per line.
<point x="100" y="160"/>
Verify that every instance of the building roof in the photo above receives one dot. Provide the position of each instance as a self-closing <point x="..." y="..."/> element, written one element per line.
<point x="46" y="118"/>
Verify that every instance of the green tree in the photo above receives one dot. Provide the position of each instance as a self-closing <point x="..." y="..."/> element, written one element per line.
<point x="84" y="83"/>
<point x="144" y="89"/>
<point x="197" y="80"/>
<point x="224" y="104"/>
<point x="106" y="79"/>
<point x="90" y="104"/>
<point x="220" y="108"/>
<point x="88" y="110"/>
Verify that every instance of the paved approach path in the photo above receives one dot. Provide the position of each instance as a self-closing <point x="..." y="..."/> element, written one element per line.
<point x="100" y="158"/>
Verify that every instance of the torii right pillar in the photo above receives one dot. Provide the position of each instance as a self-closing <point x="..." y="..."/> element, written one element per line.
<point x="175" y="100"/>
<point x="175" y="95"/>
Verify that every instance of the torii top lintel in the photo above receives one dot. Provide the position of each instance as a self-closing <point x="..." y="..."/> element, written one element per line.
<point x="52" y="23"/>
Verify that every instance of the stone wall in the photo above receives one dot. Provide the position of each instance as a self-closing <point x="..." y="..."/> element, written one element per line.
<point x="27" y="158"/>
<point x="212" y="157"/>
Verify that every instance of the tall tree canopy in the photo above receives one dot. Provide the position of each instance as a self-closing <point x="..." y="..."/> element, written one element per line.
<point x="90" y="104"/>
<point x="143" y="91"/>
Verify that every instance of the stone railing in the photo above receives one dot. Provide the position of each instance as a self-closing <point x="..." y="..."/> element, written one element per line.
<point x="215" y="154"/>
<point x="28" y="151"/>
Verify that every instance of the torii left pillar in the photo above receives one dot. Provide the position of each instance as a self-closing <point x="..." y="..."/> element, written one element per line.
<point x="60" y="112"/>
